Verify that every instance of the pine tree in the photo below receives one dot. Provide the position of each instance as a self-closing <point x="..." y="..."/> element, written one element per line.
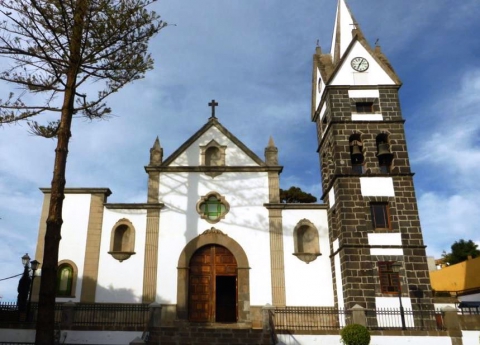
<point x="57" y="49"/>
<point x="296" y="195"/>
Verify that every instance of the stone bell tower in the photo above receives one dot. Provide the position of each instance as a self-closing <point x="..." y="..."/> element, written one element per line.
<point x="367" y="182"/>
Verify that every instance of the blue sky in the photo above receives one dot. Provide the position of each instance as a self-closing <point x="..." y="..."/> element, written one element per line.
<point x="255" y="59"/>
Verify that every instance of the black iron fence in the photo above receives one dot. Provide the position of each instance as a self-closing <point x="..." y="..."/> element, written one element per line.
<point x="130" y="315"/>
<point x="309" y="318"/>
<point x="318" y="318"/>
<point x="390" y="318"/>
<point x="80" y="314"/>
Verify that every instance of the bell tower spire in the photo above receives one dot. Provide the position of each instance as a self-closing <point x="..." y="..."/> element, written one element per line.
<point x="366" y="176"/>
<point x="345" y="28"/>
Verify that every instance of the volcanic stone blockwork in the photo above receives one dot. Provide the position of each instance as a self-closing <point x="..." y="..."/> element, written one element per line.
<point x="350" y="219"/>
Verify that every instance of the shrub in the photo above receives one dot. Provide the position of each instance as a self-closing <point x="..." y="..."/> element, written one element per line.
<point x="355" y="335"/>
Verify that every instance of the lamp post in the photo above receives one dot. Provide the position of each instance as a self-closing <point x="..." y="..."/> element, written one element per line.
<point x="23" y="285"/>
<point x="396" y="269"/>
<point x="34" y="264"/>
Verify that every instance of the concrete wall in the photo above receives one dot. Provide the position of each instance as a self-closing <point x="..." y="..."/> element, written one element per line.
<point x="73" y="337"/>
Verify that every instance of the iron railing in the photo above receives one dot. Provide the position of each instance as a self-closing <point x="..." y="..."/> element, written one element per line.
<point x="84" y="314"/>
<point x="324" y="318"/>
<point x="309" y="318"/>
<point x="111" y="314"/>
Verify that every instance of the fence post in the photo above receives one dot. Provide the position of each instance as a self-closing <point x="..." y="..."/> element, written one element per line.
<point x="155" y="314"/>
<point x="452" y="324"/>
<point x="68" y="313"/>
<point x="358" y="315"/>
<point x="267" y="308"/>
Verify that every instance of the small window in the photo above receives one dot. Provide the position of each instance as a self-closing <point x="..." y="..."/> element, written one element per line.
<point x="64" y="280"/>
<point x="364" y="107"/>
<point x="380" y="216"/>
<point x="389" y="280"/>
<point x="212" y="207"/>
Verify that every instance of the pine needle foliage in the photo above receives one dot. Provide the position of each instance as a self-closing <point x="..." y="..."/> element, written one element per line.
<point x="66" y="57"/>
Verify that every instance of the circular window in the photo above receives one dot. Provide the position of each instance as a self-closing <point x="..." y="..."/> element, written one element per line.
<point x="212" y="207"/>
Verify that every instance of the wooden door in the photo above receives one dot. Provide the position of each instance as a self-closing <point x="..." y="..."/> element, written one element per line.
<point x="207" y="267"/>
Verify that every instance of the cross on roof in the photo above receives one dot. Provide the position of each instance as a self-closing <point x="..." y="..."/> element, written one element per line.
<point x="213" y="104"/>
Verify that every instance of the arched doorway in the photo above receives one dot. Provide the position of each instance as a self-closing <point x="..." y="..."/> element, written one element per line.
<point x="212" y="290"/>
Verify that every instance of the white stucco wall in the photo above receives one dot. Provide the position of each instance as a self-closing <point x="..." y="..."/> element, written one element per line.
<point x="377" y="186"/>
<point x="375" y="75"/>
<point x="246" y="223"/>
<point x="367" y="117"/>
<point x="121" y="281"/>
<point x="364" y="93"/>
<point x="338" y="279"/>
<point x="75" y="214"/>
<point x="471" y="337"/>
<point x="307" y="284"/>
<point x="331" y="197"/>
<point x="393" y="303"/>
<point x="300" y="339"/>
<point x="392" y="239"/>
<point x="124" y="338"/>
<point x="234" y="155"/>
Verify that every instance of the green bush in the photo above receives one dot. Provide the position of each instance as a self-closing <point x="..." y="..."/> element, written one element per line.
<point x="355" y="335"/>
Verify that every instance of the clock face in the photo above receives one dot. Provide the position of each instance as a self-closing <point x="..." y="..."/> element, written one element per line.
<point x="359" y="64"/>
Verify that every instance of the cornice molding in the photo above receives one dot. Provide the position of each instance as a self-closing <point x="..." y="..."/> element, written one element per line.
<point x="295" y="206"/>
<point x="222" y="169"/>
<point x="143" y="206"/>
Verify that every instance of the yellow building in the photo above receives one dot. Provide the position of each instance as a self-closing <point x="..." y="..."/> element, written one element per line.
<point x="461" y="280"/>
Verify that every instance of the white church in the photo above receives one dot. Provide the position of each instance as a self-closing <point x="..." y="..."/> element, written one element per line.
<point x="213" y="243"/>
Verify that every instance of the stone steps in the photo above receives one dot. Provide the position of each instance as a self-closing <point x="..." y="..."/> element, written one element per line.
<point x="198" y="335"/>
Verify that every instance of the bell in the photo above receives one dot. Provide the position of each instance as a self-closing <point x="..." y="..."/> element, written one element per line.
<point x="357" y="155"/>
<point x="384" y="150"/>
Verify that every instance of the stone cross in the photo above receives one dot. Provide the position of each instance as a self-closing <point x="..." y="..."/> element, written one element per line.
<point x="213" y="104"/>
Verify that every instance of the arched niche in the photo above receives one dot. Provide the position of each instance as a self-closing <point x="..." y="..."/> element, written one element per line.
<point x="306" y="241"/>
<point x="122" y="240"/>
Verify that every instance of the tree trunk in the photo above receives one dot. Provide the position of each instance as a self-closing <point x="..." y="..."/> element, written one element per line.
<point x="45" y="329"/>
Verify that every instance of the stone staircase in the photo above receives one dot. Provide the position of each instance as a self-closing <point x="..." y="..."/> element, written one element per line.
<point x="198" y="334"/>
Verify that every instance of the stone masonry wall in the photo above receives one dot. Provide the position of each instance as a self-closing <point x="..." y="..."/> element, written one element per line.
<point x="350" y="218"/>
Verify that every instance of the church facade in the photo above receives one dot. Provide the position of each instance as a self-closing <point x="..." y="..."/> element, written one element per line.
<point x="213" y="243"/>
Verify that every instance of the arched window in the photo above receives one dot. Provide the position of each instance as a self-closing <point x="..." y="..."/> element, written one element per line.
<point x="306" y="241"/>
<point x="384" y="154"/>
<point x="122" y="242"/>
<point x="356" y="153"/>
<point x="66" y="279"/>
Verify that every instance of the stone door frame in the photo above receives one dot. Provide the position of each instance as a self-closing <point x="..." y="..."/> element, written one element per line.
<point x="214" y="236"/>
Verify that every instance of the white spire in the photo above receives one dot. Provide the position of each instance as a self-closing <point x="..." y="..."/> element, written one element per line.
<point x="342" y="32"/>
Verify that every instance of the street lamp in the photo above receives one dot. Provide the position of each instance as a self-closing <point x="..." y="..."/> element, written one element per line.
<point x="396" y="269"/>
<point x="34" y="264"/>
<point x="23" y="285"/>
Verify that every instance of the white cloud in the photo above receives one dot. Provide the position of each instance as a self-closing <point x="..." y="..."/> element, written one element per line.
<point x="451" y="154"/>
